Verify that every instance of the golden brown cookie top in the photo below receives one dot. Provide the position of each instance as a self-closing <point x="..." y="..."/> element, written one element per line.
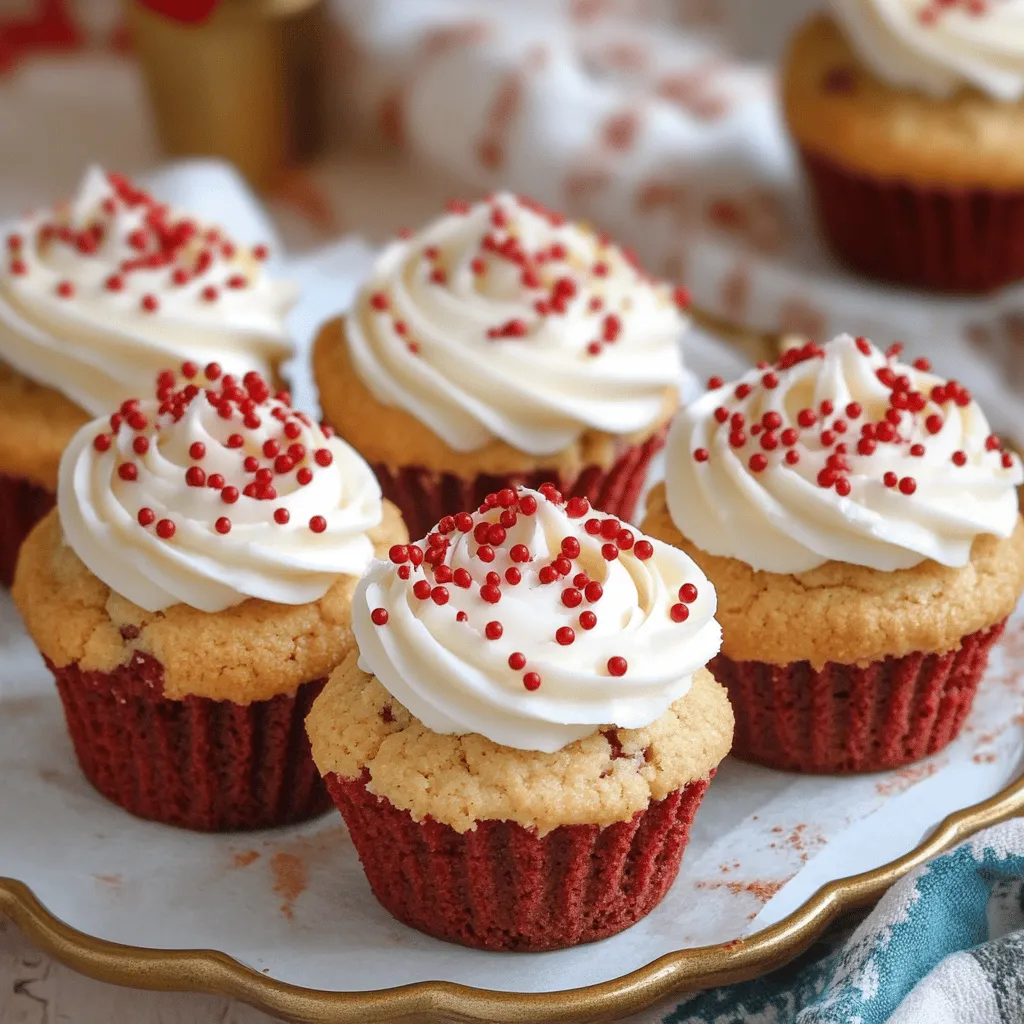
<point x="839" y="109"/>
<point x="356" y="726"/>
<point x="36" y="424"/>
<point x="395" y="437"/>
<point x="849" y="613"/>
<point x="250" y="652"/>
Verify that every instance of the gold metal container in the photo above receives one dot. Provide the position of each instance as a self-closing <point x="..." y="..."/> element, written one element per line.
<point x="245" y="84"/>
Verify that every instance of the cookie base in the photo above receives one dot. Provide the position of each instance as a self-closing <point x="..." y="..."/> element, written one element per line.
<point x="967" y="240"/>
<point x="22" y="505"/>
<point x="503" y="887"/>
<point x="211" y="766"/>
<point x="425" y="496"/>
<point x="845" y="718"/>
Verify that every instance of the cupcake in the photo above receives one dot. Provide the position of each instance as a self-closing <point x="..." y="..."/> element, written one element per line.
<point x="527" y="730"/>
<point x="504" y="346"/>
<point x="191" y="593"/>
<point x="96" y="297"/>
<point x="909" y="116"/>
<point x="859" y="522"/>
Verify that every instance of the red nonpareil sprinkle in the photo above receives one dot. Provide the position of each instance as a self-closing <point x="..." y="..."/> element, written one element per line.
<point x="485" y="553"/>
<point x="843" y="487"/>
<point x="215" y="480"/>
<point x="323" y="457"/>
<point x="609" y="552"/>
<point x="907" y="485"/>
<point x="742" y="390"/>
<point x="282" y="516"/>
<point x="714" y="383"/>
<point x="572" y="598"/>
<point x="593" y="591"/>
<point x="806" y="418"/>
<point x="624" y="540"/>
<point x="617" y="666"/>
<point x="737" y="439"/>
<point x="681" y="297"/>
<point x="209" y="294"/>
<point x="828" y="438"/>
<point x="519" y="553"/>
<point x="792" y="457"/>
<point x="679" y="613"/>
<point x="917" y="450"/>
<point x="863" y="346"/>
<point x="128" y="471"/>
<point x="379" y="301"/>
<point x="462" y="578"/>
<point x="565" y="635"/>
<point x="643" y="549"/>
<point x="687" y="593"/>
<point x="150" y="303"/>
<point x="721" y="414"/>
<point x="165" y="529"/>
<point x="490" y="593"/>
<point x="439" y="595"/>
<point x="547" y="574"/>
<point x="146" y="517"/>
<point x="223" y="525"/>
<point x="890" y="479"/>
<point x="701" y="455"/>
<point x="758" y="462"/>
<point x="790" y="436"/>
<point x="577" y="508"/>
<point x="379" y="616"/>
<point x="317" y="524"/>
<point x="65" y="289"/>
<point x="422" y="589"/>
<point x="101" y="442"/>
<point x="922" y="364"/>
<point x="229" y="495"/>
<point x="438" y="276"/>
<point x="463" y="522"/>
<point x="516" y="661"/>
<point x="570" y="547"/>
<point x="513" y="576"/>
<point x="195" y="477"/>
<point x="398" y="553"/>
<point x="531" y="681"/>
<point x="865" y="446"/>
<point x="770" y="381"/>
<point x="197" y="450"/>
<point x="592" y="526"/>
<point x="528" y="504"/>
<point x="960" y="458"/>
<point x="443" y="574"/>
<point x="461" y="617"/>
<point x="1007" y="460"/>
<point x="140" y="445"/>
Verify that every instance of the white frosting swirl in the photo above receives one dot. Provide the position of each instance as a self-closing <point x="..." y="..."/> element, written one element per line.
<point x="492" y="323"/>
<point x="839" y="453"/>
<point x="936" y="48"/>
<point x="239" y="530"/>
<point x="99" y="295"/>
<point x="445" y="664"/>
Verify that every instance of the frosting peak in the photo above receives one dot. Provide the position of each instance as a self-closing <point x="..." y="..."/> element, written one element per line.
<point x="100" y="294"/>
<point x="503" y="321"/>
<point x="938" y="46"/>
<point x="534" y="622"/>
<point x="839" y="453"/>
<point x="213" y="492"/>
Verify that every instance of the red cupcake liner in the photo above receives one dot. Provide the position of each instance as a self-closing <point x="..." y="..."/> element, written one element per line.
<point x="944" y="239"/>
<point x="425" y="496"/>
<point x="208" y="765"/>
<point x="22" y="505"/>
<point x="848" y="719"/>
<point x="503" y="887"/>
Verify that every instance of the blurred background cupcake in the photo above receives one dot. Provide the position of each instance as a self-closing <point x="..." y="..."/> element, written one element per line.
<point x="909" y="116"/>
<point x="528" y="714"/>
<point x="503" y="345"/>
<point x="192" y="592"/>
<point x="96" y="297"/>
<point x="860" y="524"/>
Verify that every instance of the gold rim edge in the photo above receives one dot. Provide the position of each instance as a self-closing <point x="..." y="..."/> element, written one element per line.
<point x="690" y="969"/>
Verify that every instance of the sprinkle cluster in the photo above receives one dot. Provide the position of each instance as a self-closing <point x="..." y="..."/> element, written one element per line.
<point x="932" y="11"/>
<point x="424" y="566"/>
<point x="772" y="439"/>
<point x="248" y="408"/>
<point x="553" y="276"/>
<point x="131" y="222"/>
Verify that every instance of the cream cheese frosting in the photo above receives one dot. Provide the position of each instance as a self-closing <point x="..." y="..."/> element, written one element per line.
<point x="839" y="453"/>
<point x="105" y="291"/>
<point x="214" y="492"/>
<point x="535" y="621"/>
<point x="938" y="47"/>
<point x="501" y="320"/>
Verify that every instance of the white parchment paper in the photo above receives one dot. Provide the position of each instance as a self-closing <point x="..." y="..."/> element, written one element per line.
<point x="293" y="903"/>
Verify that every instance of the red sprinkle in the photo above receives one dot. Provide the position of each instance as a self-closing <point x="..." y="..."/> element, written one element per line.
<point x="379" y="616"/>
<point x="565" y="635"/>
<point x="643" y="549"/>
<point x="317" y="524"/>
<point x="617" y="666"/>
<point x="516" y="661"/>
<point x="146" y="517"/>
<point x="165" y="529"/>
<point x="679" y="613"/>
<point x="531" y="681"/>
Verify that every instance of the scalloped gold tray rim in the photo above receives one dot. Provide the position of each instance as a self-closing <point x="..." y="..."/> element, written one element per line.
<point x="436" y="1002"/>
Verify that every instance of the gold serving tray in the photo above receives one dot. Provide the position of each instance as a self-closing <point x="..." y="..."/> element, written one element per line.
<point x="436" y="1002"/>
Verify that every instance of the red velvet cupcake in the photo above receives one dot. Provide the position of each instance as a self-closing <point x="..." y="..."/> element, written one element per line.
<point x="503" y="346"/>
<point x="192" y="593"/>
<point x="860" y="525"/>
<point x="522" y="741"/>
<point x="96" y="297"/>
